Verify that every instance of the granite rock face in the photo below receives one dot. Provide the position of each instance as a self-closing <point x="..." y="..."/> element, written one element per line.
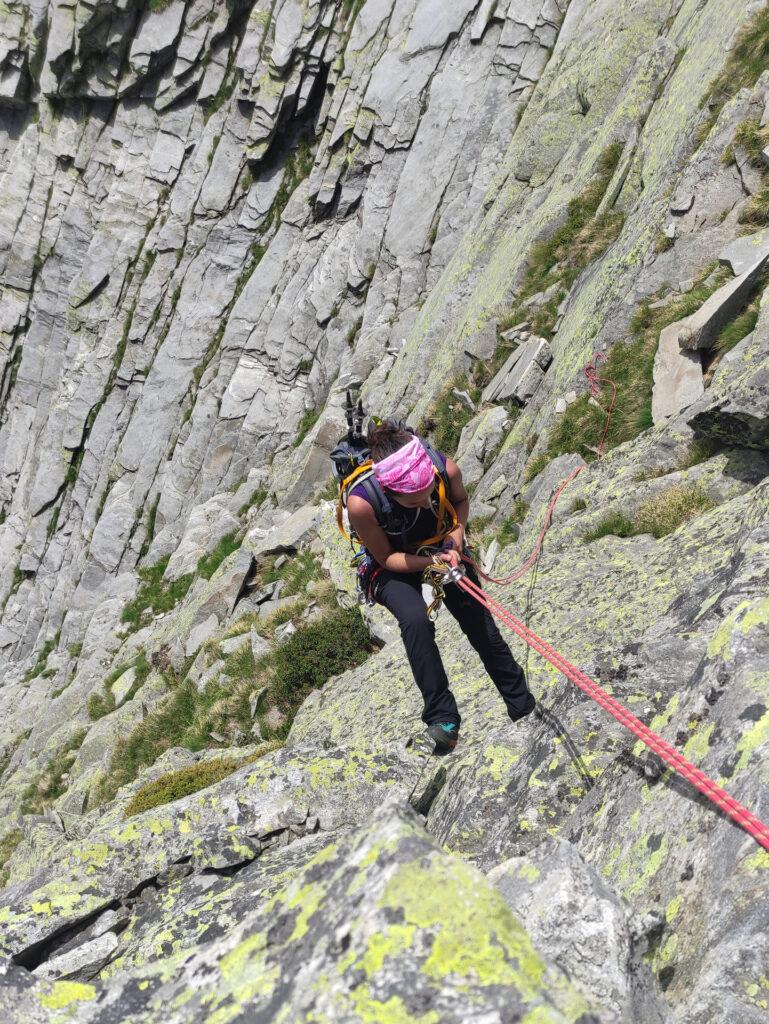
<point x="215" y="218"/>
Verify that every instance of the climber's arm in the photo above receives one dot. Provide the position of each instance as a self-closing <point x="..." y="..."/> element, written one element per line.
<point x="363" y="520"/>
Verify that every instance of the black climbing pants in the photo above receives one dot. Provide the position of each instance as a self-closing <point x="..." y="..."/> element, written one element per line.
<point x="401" y="594"/>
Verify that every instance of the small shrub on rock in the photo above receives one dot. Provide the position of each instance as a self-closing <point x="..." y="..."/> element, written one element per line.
<point x="326" y="647"/>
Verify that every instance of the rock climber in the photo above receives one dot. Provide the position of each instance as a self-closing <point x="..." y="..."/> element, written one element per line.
<point x="408" y="475"/>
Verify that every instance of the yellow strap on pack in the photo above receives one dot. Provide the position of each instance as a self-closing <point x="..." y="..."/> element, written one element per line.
<point x="445" y="510"/>
<point x="364" y="467"/>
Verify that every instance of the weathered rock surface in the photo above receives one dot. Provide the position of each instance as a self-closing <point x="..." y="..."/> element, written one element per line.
<point x="214" y="219"/>
<point x="338" y="940"/>
<point x="602" y="949"/>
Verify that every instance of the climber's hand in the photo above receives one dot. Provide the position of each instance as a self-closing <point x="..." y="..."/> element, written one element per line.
<point x="450" y="557"/>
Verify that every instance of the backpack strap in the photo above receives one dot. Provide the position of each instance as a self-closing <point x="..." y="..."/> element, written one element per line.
<point x="381" y="504"/>
<point x="440" y="466"/>
<point x="359" y="475"/>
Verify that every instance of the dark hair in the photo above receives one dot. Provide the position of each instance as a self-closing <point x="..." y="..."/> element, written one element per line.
<point x="386" y="439"/>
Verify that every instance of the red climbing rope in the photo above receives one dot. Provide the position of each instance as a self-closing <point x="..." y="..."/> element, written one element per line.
<point x="595" y="381"/>
<point x="672" y="757"/>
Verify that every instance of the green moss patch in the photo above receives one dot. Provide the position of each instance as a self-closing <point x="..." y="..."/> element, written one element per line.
<point x="190" y="780"/>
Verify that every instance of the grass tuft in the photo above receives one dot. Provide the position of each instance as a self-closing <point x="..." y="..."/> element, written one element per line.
<point x="631" y="367"/>
<point x="208" y="565"/>
<point x="747" y="59"/>
<point x="448" y="416"/>
<point x="699" y="451"/>
<point x="752" y="138"/>
<point x="509" y="530"/>
<point x="743" y="325"/>
<point x="8" y="844"/>
<point x="51" y="784"/>
<point x="306" y="424"/>
<point x="155" y="595"/>
<point x="101" y="704"/>
<point x="297" y="572"/>
<point x="535" y="466"/>
<point x="38" y="669"/>
<point x="659" y="516"/>
<point x="186" y="781"/>
<point x="328" y="645"/>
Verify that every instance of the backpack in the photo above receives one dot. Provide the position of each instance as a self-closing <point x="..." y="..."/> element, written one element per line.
<point x="353" y="467"/>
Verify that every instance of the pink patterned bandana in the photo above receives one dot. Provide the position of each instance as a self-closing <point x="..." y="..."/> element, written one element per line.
<point x="408" y="470"/>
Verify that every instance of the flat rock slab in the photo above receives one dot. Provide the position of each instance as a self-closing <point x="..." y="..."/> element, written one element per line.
<point x="702" y="328"/>
<point x="743" y="253"/>
<point x="82" y="962"/>
<point x="682" y="202"/>
<point x="288" y="535"/>
<point x="522" y="373"/>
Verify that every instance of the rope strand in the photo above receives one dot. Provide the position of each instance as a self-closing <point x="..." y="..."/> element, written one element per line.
<point x="672" y="757"/>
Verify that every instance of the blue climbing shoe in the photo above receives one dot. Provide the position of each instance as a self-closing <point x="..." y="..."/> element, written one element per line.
<point x="444" y="735"/>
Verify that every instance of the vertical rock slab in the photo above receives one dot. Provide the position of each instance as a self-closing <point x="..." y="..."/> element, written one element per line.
<point x="678" y="377"/>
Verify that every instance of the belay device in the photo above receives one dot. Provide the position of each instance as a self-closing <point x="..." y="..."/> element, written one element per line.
<point x="354" y="467"/>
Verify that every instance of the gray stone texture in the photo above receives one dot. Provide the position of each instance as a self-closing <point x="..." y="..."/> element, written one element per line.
<point x="214" y="219"/>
